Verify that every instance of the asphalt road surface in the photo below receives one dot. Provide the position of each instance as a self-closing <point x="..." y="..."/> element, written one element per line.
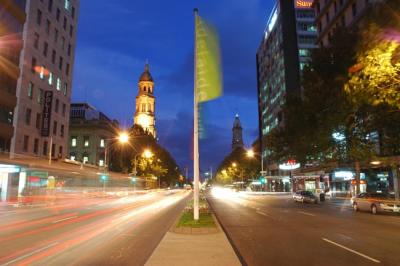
<point x="88" y="231"/>
<point x="274" y="230"/>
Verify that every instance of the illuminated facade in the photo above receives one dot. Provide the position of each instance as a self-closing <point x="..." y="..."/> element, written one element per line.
<point x="145" y="103"/>
<point x="289" y="36"/>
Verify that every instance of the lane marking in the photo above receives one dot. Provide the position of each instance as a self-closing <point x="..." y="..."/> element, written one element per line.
<point x="30" y="254"/>
<point x="262" y="213"/>
<point x="351" y="250"/>
<point x="306" y="213"/>
<point x="68" y="218"/>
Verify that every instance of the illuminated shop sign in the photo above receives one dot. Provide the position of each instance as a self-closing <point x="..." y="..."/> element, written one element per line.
<point x="304" y="3"/>
<point x="289" y="165"/>
<point x="8" y="168"/>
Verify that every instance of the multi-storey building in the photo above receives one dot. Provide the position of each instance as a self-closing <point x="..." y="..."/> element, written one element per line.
<point x="284" y="50"/>
<point x="90" y="134"/>
<point x="12" y="18"/>
<point x="331" y="14"/>
<point x="44" y="86"/>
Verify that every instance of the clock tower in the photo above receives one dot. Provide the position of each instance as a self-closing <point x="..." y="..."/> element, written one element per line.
<point x="145" y="103"/>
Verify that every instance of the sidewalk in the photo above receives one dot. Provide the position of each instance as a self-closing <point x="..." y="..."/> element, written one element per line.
<point x="197" y="248"/>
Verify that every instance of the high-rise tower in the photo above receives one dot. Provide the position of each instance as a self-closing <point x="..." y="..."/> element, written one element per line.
<point x="237" y="136"/>
<point x="145" y="103"/>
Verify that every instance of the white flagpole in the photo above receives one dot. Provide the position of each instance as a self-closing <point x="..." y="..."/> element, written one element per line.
<point x="196" y="167"/>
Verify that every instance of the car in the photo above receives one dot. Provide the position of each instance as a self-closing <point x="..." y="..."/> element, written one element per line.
<point x="375" y="203"/>
<point x="305" y="196"/>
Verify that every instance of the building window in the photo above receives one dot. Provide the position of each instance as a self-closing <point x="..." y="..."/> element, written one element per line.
<point x="101" y="162"/>
<point x="30" y="90"/>
<point x="48" y="26"/>
<point x="72" y="157"/>
<point x="38" y="120"/>
<point x="53" y="150"/>
<point x="102" y="143"/>
<point x="69" y="50"/>
<point x="65" y="23"/>
<point x="26" y="143"/>
<point x="73" y="12"/>
<point x="85" y="159"/>
<point x="40" y="96"/>
<point x="50" y="5"/>
<point x="39" y="17"/>
<point x="58" y="14"/>
<point x="327" y="18"/>
<point x="42" y="72"/>
<point x="86" y="141"/>
<point x="55" y="128"/>
<point x="71" y="30"/>
<point x="50" y="80"/>
<point x="335" y="7"/>
<point x="56" y="106"/>
<point x="45" y="48"/>
<point x="67" y="69"/>
<point x="67" y="4"/>
<point x="33" y="64"/>
<point x="58" y="84"/>
<point x="354" y="9"/>
<point x="60" y="152"/>
<point x="65" y="89"/>
<point x="28" y="114"/>
<point x="63" y="109"/>
<point x="62" y="131"/>
<point x="53" y="56"/>
<point x="36" y="146"/>
<point x="45" y="147"/>
<point x="36" y="38"/>
<point x="55" y="35"/>
<point x="73" y="142"/>
<point x="60" y="63"/>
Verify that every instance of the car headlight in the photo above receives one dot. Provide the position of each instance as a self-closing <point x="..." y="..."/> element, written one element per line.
<point x="382" y="204"/>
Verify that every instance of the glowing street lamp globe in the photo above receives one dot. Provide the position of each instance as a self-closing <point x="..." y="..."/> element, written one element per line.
<point x="250" y="153"/>
<point x="147" y="154"/>
<point x="123" y="137"/>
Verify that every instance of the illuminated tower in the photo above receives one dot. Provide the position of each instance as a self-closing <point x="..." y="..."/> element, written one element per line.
<point x="145" y="103"/>
<point x="237" y="138"/>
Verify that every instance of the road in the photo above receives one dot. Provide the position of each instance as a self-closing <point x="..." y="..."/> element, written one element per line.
<point x="89" y="231"/>
<point x="273" y="230"/>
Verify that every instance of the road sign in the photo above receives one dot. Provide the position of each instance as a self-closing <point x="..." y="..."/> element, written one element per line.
<point x="263" y="172"/>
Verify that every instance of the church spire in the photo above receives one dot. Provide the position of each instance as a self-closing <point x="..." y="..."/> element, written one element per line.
<point x="237" y="136"/>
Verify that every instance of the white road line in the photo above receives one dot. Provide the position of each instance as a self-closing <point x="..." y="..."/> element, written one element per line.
<point x="262" y="213"/>
<point x="351" y="250"/>
<point x="29" y="254"/>
<point x="306" y="213"/>
<point x="72" y="217"/>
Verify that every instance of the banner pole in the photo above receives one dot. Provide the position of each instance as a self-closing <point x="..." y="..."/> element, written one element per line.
<point x="196" y="167"/>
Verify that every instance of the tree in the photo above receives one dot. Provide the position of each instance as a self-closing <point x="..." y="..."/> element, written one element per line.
<point x="237" y="166"/>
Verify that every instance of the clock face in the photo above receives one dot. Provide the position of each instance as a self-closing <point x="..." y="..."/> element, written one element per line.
<point x="144" y="120"/>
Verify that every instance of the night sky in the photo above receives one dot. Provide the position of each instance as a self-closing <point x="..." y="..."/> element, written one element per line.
<point x="116" y="37"/>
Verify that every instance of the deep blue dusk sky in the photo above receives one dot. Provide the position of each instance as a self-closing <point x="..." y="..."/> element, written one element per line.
<point x="116" y="37"/>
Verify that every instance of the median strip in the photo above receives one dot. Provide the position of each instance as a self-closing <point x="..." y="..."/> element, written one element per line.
<point x="351" y="250"/>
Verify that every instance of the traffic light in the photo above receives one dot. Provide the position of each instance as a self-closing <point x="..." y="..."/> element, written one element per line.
<point x="104" y="178"/>
<point x="262" y="180"/>
<point x="133" y="179"/>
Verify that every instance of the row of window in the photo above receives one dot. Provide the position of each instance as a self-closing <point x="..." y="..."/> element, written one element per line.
<point x="40" y="96"/>
<point x="86" y="142"/>
<point x="44" y="151"/>
<point x="51" y="79"/>
<point x="146" y="107"/>
<point x="85" y="158"/>
<point x="38" y="122"/>
<point x="45" y="50"/>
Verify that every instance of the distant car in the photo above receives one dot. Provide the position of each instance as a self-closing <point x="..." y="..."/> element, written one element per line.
<point x="375" y="203"/>
<point x="305" y="196"/>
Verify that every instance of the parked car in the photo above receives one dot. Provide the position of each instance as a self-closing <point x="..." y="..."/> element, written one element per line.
<point x="375" y="203"/>
<point x="305" y="196"/>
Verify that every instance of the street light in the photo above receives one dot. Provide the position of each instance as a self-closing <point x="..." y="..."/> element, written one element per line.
<point x="251" y="154"/>
<point x="122" y="138"/>
<point x="234" y="165"/>
<point x="147" y="154"/>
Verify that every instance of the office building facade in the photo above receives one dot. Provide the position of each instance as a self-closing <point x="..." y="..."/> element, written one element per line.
<point x="289" y="36"/>
<point x="41" y="118"/>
